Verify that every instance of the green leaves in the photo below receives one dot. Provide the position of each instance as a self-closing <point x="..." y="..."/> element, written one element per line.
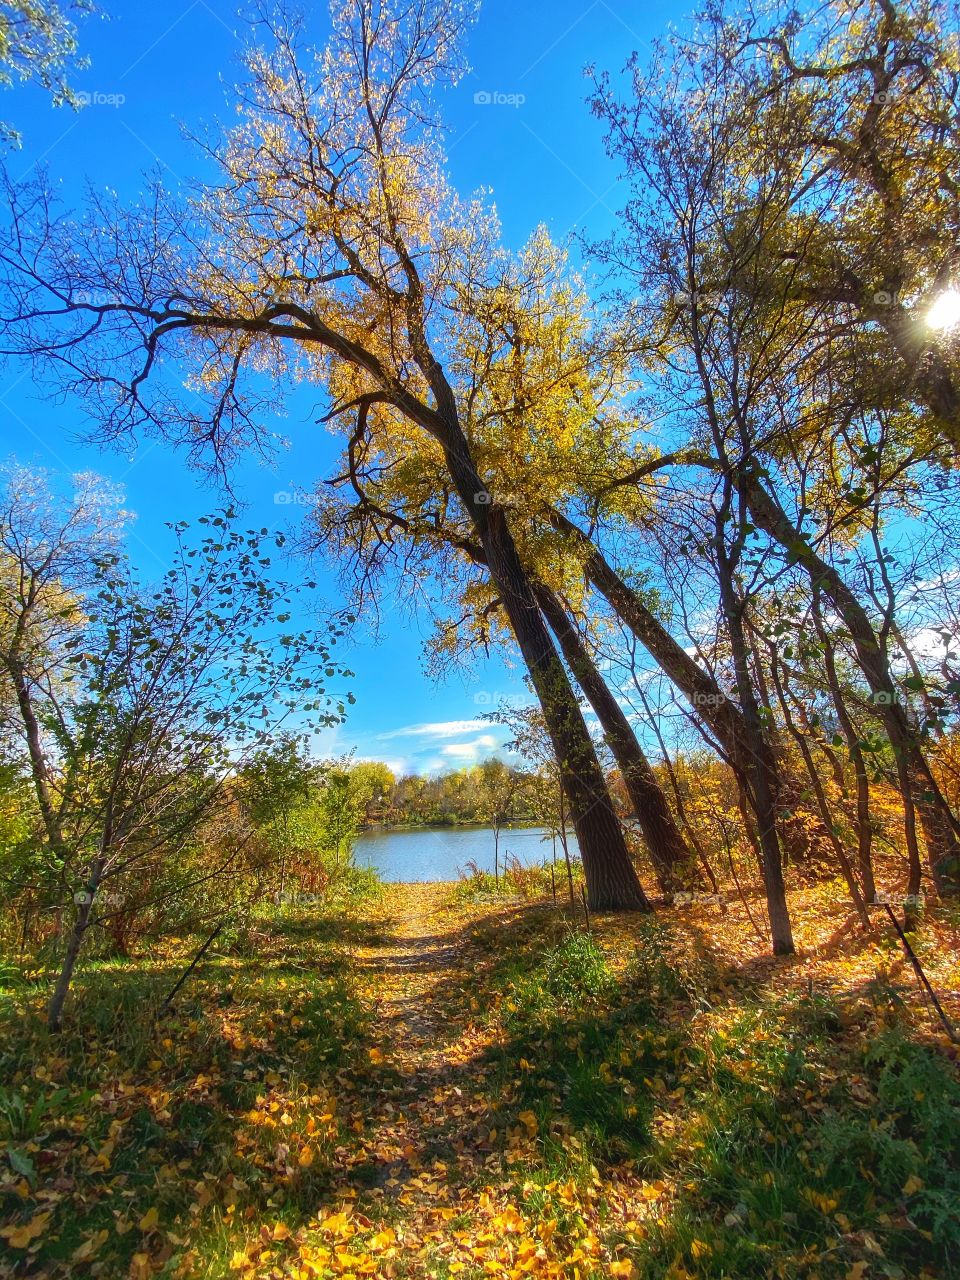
<point x="161" y="693"/>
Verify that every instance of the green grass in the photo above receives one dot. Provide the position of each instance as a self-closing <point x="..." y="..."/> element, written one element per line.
<point x="520" y="880"/>
<point x="201" y="1115"/>
<point x="787" y="1145"/>
<point x="628" y="1092"/>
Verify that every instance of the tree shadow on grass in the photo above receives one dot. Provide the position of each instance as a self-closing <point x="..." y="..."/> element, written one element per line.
<point x="188" y="1112"/>
<point x="749" y="1103"/>
<point x="634" y="1074"/>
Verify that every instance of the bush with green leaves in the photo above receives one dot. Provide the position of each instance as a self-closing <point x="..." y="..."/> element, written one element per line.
<point x="138" y="702"/>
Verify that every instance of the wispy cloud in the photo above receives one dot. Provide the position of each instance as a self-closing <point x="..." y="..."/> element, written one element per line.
<point x="440" y="729"/>
<point x="469" y="750"/>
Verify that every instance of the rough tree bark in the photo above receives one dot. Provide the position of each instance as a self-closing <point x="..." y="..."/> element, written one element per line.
<point x="612" y="883"/>
<point x="673" y="863"/>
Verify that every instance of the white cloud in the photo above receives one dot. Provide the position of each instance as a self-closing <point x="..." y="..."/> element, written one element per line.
<point x="398" y="765"/>
<point x="440" y="729"/>
<point x="469" y="750"/>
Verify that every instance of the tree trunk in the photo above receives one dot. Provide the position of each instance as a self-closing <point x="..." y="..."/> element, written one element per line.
<point x="611" y="879"/>
<point x="565" y="847"/>
<point x="673" y="863"/>
<point x="919" y="787"/>
<point x="864" y="828"/>
<point x="698" y="686"/>
<point x="39" y="768"/>
<point x="761" y="766"/>
<point x="74" y="942"/>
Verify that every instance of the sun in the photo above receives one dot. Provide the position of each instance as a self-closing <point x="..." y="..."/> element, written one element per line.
<point x="945" y="312"/>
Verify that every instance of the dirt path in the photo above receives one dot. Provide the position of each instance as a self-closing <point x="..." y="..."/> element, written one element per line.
<point x="417" y="961"/>
<point x="424" y="1111"/>
<point x="432" y="1188"/>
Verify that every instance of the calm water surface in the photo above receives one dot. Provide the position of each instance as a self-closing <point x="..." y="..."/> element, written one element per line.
<point x="441" y="853"/>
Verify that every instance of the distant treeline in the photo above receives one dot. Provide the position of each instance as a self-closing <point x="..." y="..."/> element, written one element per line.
<point x="491" y="792"/>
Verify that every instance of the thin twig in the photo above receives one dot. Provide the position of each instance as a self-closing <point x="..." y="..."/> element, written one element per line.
<point x="190" y="968"/>
<point x="918" y="969"/>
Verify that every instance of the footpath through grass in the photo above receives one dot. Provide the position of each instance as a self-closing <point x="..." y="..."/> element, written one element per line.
<point x="474" y="1088"/>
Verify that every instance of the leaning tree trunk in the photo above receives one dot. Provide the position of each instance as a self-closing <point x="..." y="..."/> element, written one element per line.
<point x="761" y="767"/>
<point x="697" y="686"/>
<point x="673" y="863"/>
<point x="919" y="787"/>
<point x="852" y="738"/>
<point x="612" y="883"/>
<point x="738" y="728"/>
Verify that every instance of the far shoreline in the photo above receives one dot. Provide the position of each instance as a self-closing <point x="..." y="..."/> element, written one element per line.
<point x="372" y="827"/>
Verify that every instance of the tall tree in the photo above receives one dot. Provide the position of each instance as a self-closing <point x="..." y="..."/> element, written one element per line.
<point x="340" y="251"/>
<point x="673" y="863"/>
<point x="764" y="362"/>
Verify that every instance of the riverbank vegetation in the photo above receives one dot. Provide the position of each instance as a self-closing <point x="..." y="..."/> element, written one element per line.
<point x="475" y="795"/>
<point x="712" y="503"/>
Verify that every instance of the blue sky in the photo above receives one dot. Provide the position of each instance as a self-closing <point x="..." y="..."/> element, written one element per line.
<point x="156" y="67"/>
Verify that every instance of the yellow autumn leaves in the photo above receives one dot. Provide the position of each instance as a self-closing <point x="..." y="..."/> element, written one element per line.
<point x="22" y="1235"/>
<point x="347" y="1245"/>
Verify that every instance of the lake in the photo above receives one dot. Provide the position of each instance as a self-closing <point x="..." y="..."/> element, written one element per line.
<point x="441" y="853"/>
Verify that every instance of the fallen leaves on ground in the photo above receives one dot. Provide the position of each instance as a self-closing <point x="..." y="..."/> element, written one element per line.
<point x="409" y="1109"/>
